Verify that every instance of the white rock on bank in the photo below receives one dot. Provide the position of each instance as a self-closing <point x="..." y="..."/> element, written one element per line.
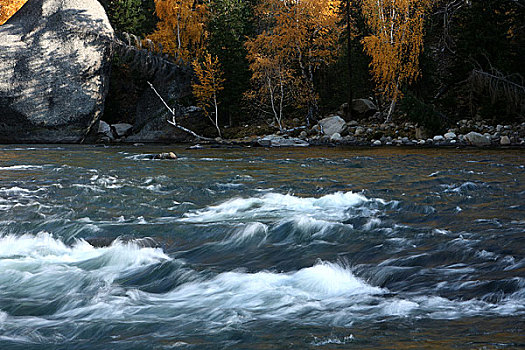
<point x="336" y="137"/>
<point x="332" y="125"/>
<point x="476" y="139"/>
<point x="450" y="136"/>
<point x="504" y="141"/>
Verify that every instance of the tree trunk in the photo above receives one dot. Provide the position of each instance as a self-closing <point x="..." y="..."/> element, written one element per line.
<point x="391" y="110"/>
<point x="349" y="58"/>
<point x="216" y="115"/>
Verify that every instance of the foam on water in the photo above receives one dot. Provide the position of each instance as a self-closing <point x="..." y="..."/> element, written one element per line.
<point x="42" y="256"/>
<point x="248" y="232"/>
<point x="21" y="167"/>
<point x="275" y="205"/>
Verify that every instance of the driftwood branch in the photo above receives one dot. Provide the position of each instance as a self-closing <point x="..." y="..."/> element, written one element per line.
<point x="173" y="120"/>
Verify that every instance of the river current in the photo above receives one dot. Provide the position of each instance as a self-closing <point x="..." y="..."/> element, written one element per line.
<point x="311" y="248"/>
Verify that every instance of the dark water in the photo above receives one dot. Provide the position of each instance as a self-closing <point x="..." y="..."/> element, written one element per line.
<point x="259" y="249"/>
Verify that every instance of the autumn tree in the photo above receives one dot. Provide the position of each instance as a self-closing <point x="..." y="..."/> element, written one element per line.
<point x="8" y="8"/>
<point x="181" y="28"/>
<point x="301" y="36"/>
<point x="395" y="43"/>
<point x="209" y="82"/>
<point x="272" y="80"/>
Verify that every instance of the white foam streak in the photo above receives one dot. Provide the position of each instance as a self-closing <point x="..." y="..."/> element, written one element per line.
<point x="274" y="205"/>
<point x="43" y="252"/>
<point x="21" y="167"/>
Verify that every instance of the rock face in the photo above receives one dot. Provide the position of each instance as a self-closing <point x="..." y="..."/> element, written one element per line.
<point x="54" y="69"/>
<point x="151" y="114"/>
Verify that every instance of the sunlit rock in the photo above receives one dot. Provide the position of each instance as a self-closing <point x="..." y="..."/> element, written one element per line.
<point x="55" y="60"/>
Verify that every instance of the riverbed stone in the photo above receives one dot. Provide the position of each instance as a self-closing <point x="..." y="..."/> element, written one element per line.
<point x="55" y="61"/>
<point x="450" y="136"/>
<point x="122" y="129"/>
<point x="104" y="130"/>
<point x="376" y="143"/>
<point x="476" y="139"/>
<point x="504" y="141"/>
<point x="281" y="141"/>
<point x="439" y="138"/>
<point x="336" y="137"/>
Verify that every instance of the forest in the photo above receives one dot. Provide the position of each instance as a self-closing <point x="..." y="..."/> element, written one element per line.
<point x="430" y="62"/>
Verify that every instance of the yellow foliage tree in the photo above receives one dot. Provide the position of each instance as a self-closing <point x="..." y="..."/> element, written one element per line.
<point x="395" y="43"/>
<point x="208" y="85"/>
<point x="181" y="29"/>
<point x="8" y="8"/>
<point x="300" y="36"/>
<point x="271" y="79"/>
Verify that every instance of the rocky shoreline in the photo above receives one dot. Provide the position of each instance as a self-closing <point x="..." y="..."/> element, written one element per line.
<point x="334" y="131"/>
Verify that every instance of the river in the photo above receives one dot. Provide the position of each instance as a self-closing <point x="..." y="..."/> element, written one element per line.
<point x="311" y="248"/>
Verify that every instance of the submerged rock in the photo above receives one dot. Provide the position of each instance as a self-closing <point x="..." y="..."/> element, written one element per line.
<point x="167" y="155"/>
<point x="55" y="60"/>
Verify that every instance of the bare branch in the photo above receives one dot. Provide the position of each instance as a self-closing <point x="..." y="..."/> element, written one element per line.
<point x="173" y="120"/>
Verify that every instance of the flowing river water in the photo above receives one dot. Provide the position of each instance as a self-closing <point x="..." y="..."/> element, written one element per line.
<point x="311" y="248"/>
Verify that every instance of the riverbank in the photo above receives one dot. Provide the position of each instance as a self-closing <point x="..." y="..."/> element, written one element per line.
<point x="335" y="131"/>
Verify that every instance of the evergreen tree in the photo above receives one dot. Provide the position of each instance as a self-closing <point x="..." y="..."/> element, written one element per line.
<point x="230" y="23"/>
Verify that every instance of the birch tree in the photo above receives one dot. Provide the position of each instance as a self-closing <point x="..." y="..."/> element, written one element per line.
<point x="300" y="37"/>
<point x="207" y="87"/>
<point x="182" y="27"/>
<point x="395" y="43"/>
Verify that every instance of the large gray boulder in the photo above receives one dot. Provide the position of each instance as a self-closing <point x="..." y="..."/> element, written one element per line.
<point x="332" y="125"/>
<point x="476" y="139"/>
<point x="364" y="106"/>
<point x="55" y="60"/>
